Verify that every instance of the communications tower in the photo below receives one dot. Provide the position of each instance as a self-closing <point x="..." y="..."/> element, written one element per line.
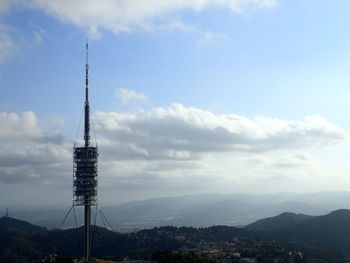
<point x="85" y="160"/>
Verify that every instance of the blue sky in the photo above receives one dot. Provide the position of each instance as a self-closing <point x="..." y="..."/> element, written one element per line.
<point x="241" y="95"/>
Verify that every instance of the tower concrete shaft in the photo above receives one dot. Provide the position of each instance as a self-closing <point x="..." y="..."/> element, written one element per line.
<point x="87" y="232"/>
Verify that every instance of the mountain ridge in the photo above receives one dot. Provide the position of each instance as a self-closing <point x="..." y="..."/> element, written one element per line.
<point x="285" y="220"/>
<point x="327" y="231"/>
<point x="201" y="210"/>
<point x="9" y="223"/>
<point x="23" y="241"/>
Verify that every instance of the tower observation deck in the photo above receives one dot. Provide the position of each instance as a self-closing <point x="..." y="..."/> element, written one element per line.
<point x="85" y="160"/>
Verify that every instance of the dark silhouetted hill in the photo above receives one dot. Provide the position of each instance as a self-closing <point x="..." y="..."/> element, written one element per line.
<point x="283" y="221"/>
<point x="331" y="231"/>
<point x="24" y="242"/>
<point x="9" y="223"/>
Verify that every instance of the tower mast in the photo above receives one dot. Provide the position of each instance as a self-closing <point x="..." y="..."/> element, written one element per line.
<point x="87" y="203"/>
<point x="85" y="170"/>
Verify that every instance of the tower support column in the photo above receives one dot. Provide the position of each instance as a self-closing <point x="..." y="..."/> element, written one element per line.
<point x="87" y="226"/>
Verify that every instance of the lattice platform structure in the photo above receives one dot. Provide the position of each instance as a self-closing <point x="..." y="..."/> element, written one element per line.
<point x="85" y="162"/>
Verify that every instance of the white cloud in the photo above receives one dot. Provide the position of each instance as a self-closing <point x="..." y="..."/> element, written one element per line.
<point x="126" y="15"/>
<point x="29" y="153"/>
<point x="12" y="39"/>
<point x="299" y="159"/>
<point x="170" y="147"/>
<point x="157" y="152"/>
<point x="210" y="38"/>
<point x="8" y="47"/>
<point x="126" y="96"/>
<point x="38" y="39"/>
<point x="171" y="25"/>
<point x="182" y="133"/>
<point x="38" y="33"/>
<point x="6" y="4"/>
<point x="120" y="16"/>
<point x="174" y="141"/>
<point x="24" y="127"/>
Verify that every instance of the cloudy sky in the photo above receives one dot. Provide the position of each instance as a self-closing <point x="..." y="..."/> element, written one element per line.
<point x="187" y="96"/>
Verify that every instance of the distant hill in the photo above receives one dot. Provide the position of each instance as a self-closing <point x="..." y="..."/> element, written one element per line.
<point x="24" y="242"/>
<point x="19" y="240"/>
<point x="9" y="223"/>
<point x="215" y="209"/>
<point x="281" y="222"/>
<point x="327" y="231"/>
<point x="200" y="210"/>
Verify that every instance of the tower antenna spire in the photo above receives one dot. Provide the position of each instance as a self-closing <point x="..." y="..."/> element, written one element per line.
<point x="87" y="106"/>
<point x="87" y="51"/>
